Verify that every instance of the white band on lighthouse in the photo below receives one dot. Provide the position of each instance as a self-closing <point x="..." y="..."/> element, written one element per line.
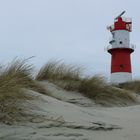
<point x="120" y="77"/>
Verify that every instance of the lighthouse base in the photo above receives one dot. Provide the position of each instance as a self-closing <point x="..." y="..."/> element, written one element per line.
<point x="120" y="77"/>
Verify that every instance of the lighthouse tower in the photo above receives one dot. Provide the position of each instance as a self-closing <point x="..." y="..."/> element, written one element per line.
<point x="120" y="50"/>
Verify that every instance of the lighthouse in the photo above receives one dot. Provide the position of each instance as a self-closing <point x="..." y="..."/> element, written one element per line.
<point x="120" y="50"/>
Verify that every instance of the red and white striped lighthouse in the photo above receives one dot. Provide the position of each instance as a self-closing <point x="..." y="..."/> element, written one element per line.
<point x="120" y="50"/>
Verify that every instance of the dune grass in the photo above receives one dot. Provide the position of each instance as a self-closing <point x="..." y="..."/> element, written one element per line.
<point x="101" y="92"/>
<point x="95" y="87"/>
<point x="65" y="76"/>
<point x="132" y="85"/>
<point x="56" y="70"/>
<point x="14" y="78"/>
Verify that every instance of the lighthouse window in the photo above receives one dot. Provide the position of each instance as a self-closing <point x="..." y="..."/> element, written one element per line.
<point x="121" y="66"/>
<point x="121" y="42"/>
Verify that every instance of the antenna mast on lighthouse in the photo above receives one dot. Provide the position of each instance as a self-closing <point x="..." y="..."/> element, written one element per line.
<point x="120" y="49"/>
<point x="120" y="15"/>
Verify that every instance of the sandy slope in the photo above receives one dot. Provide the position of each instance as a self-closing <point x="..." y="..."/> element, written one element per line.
<point x="67" y="96"/>
<point x="60" y="120"/>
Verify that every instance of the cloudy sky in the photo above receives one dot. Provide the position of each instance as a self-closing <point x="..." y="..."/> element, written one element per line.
<point x="71" y="30"/>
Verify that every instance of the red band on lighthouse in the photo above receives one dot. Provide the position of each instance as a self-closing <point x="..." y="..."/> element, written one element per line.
<point x="120" y="61"/>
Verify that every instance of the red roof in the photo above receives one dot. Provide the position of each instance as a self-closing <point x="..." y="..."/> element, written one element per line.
<point x="121" y="24"/>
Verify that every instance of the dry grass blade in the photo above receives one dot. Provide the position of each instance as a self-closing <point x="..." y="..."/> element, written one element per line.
<point x="97" y="89"/>
<point x="47" y="71"/>
<point x="15" y="77"/>
<point x="132" y="85"/>
<point x="56" y="70"/>
<point x="92" y="86"/>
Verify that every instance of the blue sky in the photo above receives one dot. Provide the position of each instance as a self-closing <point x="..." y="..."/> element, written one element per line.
<point x="71" y="30"/>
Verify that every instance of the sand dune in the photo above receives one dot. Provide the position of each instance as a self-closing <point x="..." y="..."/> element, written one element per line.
<point x="65" y="116"/>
